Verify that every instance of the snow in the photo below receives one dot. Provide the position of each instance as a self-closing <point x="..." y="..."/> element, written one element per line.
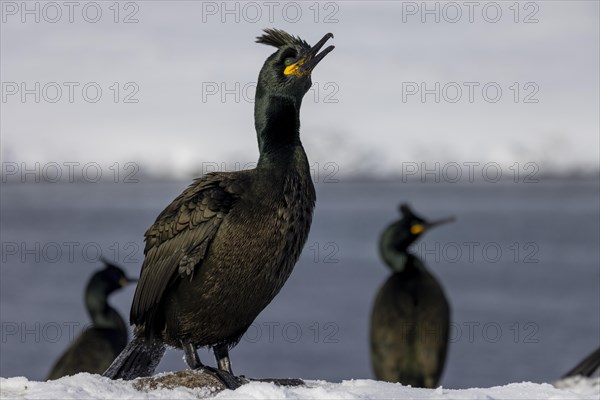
<point x="87" y="386"/>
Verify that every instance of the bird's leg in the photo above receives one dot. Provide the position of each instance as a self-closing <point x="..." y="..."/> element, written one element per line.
<point x="222" y="356"/>
<point x="223" y="370"/>
<point x="193" y="361"/>
<point x="191" y="357"/>
<point x="224" y="364"/>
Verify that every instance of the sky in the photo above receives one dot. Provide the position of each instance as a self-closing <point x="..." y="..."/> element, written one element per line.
<point x="166" y="87"/>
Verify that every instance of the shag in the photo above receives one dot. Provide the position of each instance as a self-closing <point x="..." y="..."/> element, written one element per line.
<point x="411" y="316"/>
<point x="96" y="348"/>
<point x="221" y="251"/>
<point x="587" y="366"/>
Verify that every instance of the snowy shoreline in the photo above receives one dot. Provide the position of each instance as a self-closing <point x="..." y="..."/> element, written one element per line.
<point x="86" y="386"/>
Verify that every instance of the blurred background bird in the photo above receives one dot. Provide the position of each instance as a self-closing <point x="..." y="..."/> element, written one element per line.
<point x="96" y="348"/>
<point x="587" y="366"/>
<point x="410" y="319"/>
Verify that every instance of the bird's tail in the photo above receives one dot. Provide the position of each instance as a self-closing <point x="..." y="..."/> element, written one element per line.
<point x="587" y="366"/>
<point x="139" y="358"/>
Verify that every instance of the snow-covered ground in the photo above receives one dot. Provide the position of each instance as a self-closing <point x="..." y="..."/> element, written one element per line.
<point x="86" y="386"/>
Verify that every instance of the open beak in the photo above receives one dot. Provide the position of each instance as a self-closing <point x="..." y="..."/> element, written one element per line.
<point x="308" y="61"/>
<point x="439" y="222"/>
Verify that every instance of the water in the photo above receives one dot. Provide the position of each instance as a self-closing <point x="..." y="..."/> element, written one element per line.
<point x="528" y="313"/>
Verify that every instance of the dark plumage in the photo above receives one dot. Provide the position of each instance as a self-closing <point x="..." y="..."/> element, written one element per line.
<point x="411" y="317"/>
<point x="587" y="366"/>
<point x="278" y="38"/>
<point x="96" y="348"/>
<point x="222" y="250"/>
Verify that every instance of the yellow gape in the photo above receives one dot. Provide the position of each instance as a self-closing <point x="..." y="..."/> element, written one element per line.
<point x="416" y="229"/>
<point x="294" y="69"/>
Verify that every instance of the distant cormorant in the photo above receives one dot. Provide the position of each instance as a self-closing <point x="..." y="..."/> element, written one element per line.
<point x="411" y="316"/>
<point x="222" y="250"/>
<point x="587" y="366"/>
<point x="97" y="347"/>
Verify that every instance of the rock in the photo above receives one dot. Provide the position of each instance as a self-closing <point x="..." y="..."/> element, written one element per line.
<point x="188" y="378"/>
<point x="194" y="379"/>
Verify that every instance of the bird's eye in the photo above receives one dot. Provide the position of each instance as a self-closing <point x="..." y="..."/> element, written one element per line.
<point x="288" y="61"/>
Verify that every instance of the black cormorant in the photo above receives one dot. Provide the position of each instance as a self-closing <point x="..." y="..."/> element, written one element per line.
<point x="587" y="366"/>
<point x="411" y="317"/>
<point x="222" y="250"/>
<point x="97" y="347"/>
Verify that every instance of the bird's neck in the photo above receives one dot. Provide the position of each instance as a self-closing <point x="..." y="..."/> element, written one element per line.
<point x="277" y="122"/>
<point x="101" y="313"/>
<point x="395" y="255"/>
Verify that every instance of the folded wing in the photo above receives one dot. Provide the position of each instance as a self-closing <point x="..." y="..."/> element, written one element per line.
<point x="179" y="239"/>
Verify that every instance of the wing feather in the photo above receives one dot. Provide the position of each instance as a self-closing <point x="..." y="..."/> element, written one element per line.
<point x="180" y="237"/>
